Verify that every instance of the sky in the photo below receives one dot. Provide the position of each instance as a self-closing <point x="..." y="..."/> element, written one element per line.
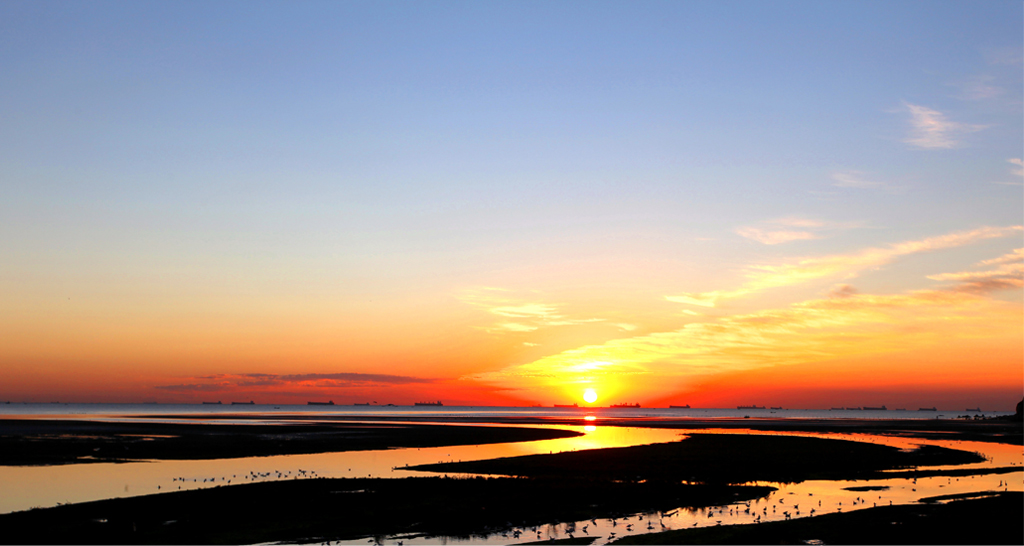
<point x="714" y="203"/>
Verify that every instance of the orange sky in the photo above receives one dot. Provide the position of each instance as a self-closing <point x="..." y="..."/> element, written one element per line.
<point x="956" y="339"/>
<point x="513" y="202"/>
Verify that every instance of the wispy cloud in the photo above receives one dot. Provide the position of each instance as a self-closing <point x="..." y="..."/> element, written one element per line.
<point x="930" y="129"/>
<point x="846" y="324"/>
<point x="854" y="179"/>
<point x="763" y="277"/>
<point x="1019" y="171"/>
<point x="978" y="88"/>
<point x="1009" y="274"/>
<point x="783" y="230"/>
<point x="230" y="382"/>
<point x="529" y="316"/>
<point x="774" y="237"/>
<point x="1017" y="256"/>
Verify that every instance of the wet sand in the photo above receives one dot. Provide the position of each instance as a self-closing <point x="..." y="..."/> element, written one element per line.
<point x="986" y="430"/>
<point x="998" y="519"/>
<point x="720" y="458"/>
<point x="570" y="486"/>
<point x="51" y="442"/>
<point x="338" y="509"/>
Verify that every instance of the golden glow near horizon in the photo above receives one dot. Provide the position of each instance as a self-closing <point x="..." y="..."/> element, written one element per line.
<point x="495" y="228"/>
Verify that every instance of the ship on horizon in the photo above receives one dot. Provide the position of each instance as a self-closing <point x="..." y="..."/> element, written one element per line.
<point x="438" y="403"/>
<point x="567" y="405"/>
<point x="749" y="407"/>
<point x="328" y="403"/>
<point x="869" y="408"/>
<point x="217" y="403"/>
<point x="927" y="409"/>
<point x="680" y="407"/>
<point x="249" y="403"/>
<point x="624" y="406"/>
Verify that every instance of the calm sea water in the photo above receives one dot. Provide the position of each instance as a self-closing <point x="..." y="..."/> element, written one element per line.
<point x="270" y="411"/>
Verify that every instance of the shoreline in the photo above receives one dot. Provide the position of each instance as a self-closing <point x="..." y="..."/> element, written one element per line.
<point x="43" y="442"/>
<point x="988" y="430"/>
<point x="571" y="486"/>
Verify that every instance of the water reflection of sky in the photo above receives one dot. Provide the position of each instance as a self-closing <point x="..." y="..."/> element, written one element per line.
<point x="47" y="486"/>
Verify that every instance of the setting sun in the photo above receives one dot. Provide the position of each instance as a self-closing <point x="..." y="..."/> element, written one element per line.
<point x="590" y="396"/>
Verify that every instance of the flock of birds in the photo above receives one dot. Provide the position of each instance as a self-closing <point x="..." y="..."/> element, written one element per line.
<point x="756" y="514"/>
<point x="252" y="476"/>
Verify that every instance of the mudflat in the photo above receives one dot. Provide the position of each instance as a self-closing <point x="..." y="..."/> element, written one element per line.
<point x="337" y="509"/>
<point x="51" y="442"/>
<point x="720" y="458"/>
<point x="1000" y="430"/>
<point x="994" y="519"/>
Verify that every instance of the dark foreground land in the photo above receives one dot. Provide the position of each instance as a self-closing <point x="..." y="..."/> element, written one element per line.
<point x="998" y="519"/>
<point x="998" y="430"/>
<point x="51" y="442"/>
<point x="337" y="509"/>
<point x="564" y="487"/>
<point x="720" y="458"/>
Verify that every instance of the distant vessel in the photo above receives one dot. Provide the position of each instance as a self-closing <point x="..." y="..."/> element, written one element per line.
<point x="249" y="403"/>
<point x="567" y="405"/>
<point x="975" y="409"/>
<point x="330" y="403"/>
<point x="217" y="403"/>
<point x="749" y="407"/>
<point x="625" y="405"/>
<point x="363" y="404"/>
<point x="853" y="409"/>
<point x="681" y="407"/>
<point x="868" y="408"/>
<point x="438" y="403"/>
<point x="927" y="409"/>
<point x="773" y="407"/>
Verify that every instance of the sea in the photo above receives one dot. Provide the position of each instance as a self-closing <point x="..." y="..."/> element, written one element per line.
<point x="269" y="411"/>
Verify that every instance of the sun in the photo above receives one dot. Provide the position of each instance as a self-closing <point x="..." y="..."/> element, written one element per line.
<point x="589" y="396"/>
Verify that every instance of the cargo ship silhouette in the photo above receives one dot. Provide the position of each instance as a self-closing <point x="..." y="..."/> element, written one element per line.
<point x="438" y="403"/>
<point x="330" y="403"/>
<point x="625" y="406"/>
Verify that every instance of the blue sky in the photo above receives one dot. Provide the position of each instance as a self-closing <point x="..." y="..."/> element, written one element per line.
<point x="160" y="151"/>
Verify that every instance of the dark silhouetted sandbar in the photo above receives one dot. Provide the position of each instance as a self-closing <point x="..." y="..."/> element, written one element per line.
<point x="721" y="458"/>
<point x="50" y="442"/>
<point x="989" y="430"/>
<point x="336" y="509"/>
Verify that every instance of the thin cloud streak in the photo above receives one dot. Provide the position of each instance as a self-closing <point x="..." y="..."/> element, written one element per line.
<point x="775" y="237"/>
<point x="853" y="179"/>
<point x="1019" y="171"/>
<point x="529" y="316"/>
<point x="225" y="382"/>
<point x="774" y="276"/>
<point x="809" y="331"/>
<point x="929" y="129"/>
